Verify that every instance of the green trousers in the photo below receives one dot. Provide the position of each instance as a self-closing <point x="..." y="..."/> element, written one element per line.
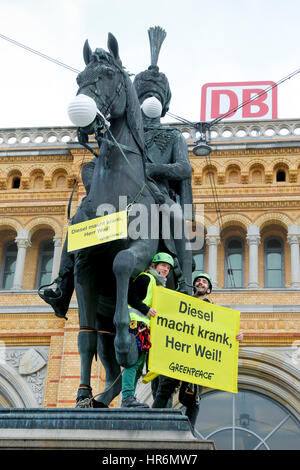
<point x="131" y="376"/>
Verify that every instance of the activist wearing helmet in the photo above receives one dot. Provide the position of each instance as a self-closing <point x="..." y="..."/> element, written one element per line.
<point x="206" y="276"/>
<point x="163" y="258"/>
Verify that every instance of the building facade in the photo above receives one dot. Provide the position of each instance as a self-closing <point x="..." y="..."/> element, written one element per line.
<point x="249" y="191"/>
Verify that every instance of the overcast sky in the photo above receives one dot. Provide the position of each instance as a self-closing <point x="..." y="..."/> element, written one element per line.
<point x="217" y="41"/>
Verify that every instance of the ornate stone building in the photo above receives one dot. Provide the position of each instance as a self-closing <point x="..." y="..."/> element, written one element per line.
<point x="249" y="187"/>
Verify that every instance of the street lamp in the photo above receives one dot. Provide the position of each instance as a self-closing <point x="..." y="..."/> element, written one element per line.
<point x="202" y="149"/>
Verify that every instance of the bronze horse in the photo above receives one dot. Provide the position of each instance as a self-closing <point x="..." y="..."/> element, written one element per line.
<point x="102" y="272"/>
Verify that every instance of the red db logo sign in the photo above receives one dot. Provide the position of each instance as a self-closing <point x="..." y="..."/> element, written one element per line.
<point x="218" y="99"/>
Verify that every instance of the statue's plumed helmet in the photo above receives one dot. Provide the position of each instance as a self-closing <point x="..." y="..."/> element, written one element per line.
<point x="152" y="81"/>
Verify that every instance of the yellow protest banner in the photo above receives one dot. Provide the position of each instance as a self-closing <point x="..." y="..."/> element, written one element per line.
<point x="193" y="341"/>
<point x="99" y="230"/>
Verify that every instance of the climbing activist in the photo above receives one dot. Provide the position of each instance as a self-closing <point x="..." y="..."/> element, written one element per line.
<point x="140" y="295"/>
<point x="189" y="394"/>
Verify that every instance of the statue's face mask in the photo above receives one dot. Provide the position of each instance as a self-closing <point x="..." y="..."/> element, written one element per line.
<point x="152" y="107"/>
<point x="151" y="83"/>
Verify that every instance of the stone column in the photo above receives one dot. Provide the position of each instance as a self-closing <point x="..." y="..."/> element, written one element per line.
<point x="253" y="239"/>
<point x="212" y="240"/>
<point x="56" y="257"/>
<point x="293" y="238"/>
<point x="23" y="242"/>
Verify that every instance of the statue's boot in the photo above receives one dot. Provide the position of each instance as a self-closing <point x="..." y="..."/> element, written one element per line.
<point x="60" y="298"/>
<point x="87" y="348"/>
<point x="56" y="299"/>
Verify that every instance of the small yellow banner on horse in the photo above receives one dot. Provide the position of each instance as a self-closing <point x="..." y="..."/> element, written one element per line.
<point x="99" y="230"/>
<point x="193" y="341"/>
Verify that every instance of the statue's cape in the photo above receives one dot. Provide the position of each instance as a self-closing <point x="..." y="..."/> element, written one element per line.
<point x="182" y="188"/>
<point x="186" y="198"/>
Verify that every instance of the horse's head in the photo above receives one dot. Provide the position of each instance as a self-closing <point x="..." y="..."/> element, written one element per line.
<point x="103" y="80"/>
<point x="107" y="93"/>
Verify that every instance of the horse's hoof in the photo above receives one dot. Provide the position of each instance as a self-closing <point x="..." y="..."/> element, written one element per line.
<point x="184" y="288"/>
<point x="127" y="357"/>
<point x="98" y="404"/>
<point x="84" y="397"/>
<point x="83" y="403"/>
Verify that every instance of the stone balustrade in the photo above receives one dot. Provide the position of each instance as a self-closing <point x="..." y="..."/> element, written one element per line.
<point x="33" y="137"/>
<point x="243" y="131"/>
<point x="227" y="131"/>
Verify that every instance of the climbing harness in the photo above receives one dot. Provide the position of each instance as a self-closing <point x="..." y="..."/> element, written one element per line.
<point x="141" y="332"/>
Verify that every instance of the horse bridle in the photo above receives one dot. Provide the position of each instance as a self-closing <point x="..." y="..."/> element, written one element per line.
<point x="101" y="115"/>
<point x="104" y="110"/>
<point x="106" y="106"/>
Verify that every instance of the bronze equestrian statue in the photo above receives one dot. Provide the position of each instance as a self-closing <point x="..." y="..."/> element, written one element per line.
<point x="125" y="166"/>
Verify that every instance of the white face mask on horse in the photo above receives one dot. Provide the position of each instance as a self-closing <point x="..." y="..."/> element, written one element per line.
<point x="83" y="110"/>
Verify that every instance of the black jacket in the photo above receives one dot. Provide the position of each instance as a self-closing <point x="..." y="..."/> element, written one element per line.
<point x="137" y="292"/>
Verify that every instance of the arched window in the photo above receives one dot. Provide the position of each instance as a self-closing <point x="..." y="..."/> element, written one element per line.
<point x="247" y="420"/>
<point x="280" y="175"/>
<point x="257" y="176"/>
<point x="234" y="263"/>
<point x="9" y="259"/>
<point x="274" y="262"/>
<point x="199" y="259"/>
<point x="44" y="272"/>
<point x="16" y="182"/>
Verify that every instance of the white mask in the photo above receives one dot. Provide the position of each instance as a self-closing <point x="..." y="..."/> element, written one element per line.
<point x="82" y="111"/>
<point x="152" y="107"/>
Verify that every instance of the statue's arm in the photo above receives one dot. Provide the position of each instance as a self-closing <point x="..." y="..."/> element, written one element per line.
<point x="179" y="169"/>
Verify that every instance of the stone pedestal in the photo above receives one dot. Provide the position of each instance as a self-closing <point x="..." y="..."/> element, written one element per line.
<point x="97" y="429"/>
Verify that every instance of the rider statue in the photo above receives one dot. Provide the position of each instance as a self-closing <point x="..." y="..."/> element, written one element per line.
<point x="166" y="151"/>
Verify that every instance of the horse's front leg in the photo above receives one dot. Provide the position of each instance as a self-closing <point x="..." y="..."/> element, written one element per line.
<point x="125" y="343"/>
<point x="85" y="276"/>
